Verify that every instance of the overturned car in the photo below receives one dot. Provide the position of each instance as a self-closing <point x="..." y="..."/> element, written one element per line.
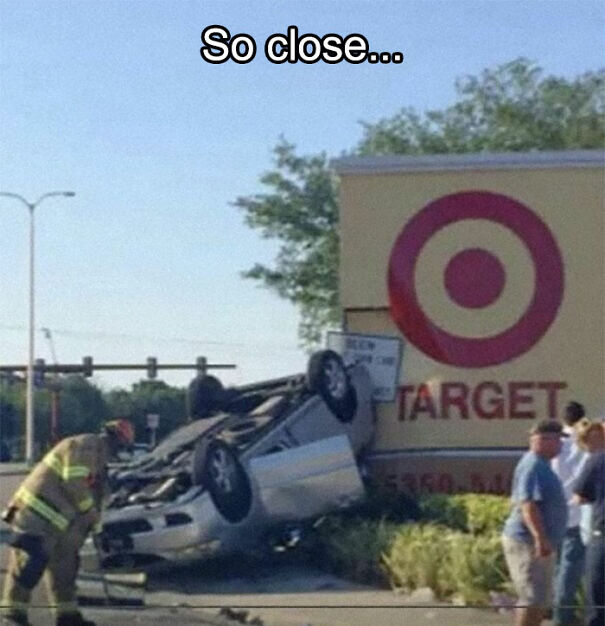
<point x="278" y="453"/>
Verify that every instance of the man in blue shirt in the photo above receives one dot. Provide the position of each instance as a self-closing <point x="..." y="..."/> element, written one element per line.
<point x="590" y="487"/>
<point x="536" y="525"/>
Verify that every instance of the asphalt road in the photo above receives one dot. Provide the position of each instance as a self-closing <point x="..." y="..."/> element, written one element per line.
<point x="291" y="594"/>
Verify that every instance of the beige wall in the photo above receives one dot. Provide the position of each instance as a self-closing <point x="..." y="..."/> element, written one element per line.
<point x="570" y="355"/>
<point x="416" y="473"/>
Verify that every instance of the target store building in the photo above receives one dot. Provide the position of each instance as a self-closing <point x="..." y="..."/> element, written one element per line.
<point x="489" y="271"/>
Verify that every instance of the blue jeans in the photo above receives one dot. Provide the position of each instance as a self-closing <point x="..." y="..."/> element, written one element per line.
<point x="595" y="580"/>
<point x="568" y="575"/>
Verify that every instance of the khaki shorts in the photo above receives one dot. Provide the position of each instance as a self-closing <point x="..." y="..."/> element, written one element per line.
<point x="532" y="576"/>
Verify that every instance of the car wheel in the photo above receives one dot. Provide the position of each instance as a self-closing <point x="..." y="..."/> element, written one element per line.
<point x="327" y="376"/>
<point x="204" y="396"/>
<point x="227" y="482"/>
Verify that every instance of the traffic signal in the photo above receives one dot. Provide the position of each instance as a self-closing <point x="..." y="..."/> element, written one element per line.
<point x="39" y="373"/>
<point x="152" y="367"/>
<point x="201" y="364"/>
<point x="87" y="366"/>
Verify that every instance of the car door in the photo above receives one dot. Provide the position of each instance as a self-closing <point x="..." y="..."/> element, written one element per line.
<point x="307" y="480"/>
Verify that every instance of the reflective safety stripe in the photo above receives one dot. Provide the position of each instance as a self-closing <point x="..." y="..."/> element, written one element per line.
<point x="75" y="471"/>
<point x="66" y="472"/>
<point x="40" y="507"/>
<point x="85" y="504"/>
<point x="54" y="462"/>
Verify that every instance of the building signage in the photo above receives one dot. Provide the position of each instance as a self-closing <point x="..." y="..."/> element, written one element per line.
<point x="380" y="354"/>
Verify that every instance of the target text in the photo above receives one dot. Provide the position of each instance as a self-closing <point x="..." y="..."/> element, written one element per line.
<point x="486" y="400"/>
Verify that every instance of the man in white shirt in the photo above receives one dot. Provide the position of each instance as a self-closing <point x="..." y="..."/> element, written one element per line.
<point x="570" y="559"/>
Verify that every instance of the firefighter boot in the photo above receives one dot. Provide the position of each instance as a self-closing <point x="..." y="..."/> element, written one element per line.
<point x="73" y="619"/>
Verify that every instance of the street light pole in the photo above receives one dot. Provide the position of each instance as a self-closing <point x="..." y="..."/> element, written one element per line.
<point x="29" y="392"/>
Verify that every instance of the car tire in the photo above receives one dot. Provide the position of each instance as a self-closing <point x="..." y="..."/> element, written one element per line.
<point x="204" y="396"/>
<point x="328" y="376"/>
<point x="226" y="481"/>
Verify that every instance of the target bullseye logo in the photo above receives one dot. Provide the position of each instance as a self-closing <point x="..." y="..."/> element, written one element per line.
<point x="474" y="279"/>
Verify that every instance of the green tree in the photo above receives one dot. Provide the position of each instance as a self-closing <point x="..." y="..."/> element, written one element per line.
<point x="82" y="409"/>
<point x="512" y="107"/>
<point x="149" y="396"/>
<point x="301" y="210"/>
<point x="12" y="402"/>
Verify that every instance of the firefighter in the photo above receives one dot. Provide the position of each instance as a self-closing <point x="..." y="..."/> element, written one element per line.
<point x="50" y="514"/>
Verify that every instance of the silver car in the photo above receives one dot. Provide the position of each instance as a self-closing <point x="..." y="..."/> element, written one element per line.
<point x="288" y="450"/>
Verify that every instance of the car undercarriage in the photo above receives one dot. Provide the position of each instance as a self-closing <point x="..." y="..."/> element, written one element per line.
<point x="263" y="456"/>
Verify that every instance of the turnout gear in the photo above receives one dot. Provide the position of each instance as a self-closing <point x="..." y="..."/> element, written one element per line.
<point x="51" y="513"/>
<point x="35" y="559"/>
<point x="67" y="483"/>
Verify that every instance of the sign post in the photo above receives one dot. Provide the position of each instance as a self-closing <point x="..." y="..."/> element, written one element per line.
<point x="153" y="421"/>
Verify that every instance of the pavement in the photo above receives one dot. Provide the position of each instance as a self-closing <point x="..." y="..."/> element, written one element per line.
<point x="269" y="593"/>
<point x="291" y="594"/>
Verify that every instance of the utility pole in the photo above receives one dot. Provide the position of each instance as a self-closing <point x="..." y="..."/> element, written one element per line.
<point x="55" y="392"/>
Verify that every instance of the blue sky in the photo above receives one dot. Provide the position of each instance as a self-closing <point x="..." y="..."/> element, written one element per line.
<point x="112" y="100"/>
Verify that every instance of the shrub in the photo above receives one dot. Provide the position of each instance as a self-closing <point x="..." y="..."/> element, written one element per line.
<point x="354" y="547"/>
<point x="475" y="566"/>
<point x="485" y="513"/>
<point x="469" y="512"/>
<point x="455" y="550"/>
<point x="381" y="504"/>
<point x="416" y="558"/>
<point x="451" y="563"/>
<point x="444" y="510"/>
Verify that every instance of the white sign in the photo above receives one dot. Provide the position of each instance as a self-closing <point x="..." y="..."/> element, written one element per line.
<point x="380" y="354"/>
<point x="153" y="421"/>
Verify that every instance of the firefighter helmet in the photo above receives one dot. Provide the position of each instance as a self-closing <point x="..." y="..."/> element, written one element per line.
<point x="122" y="429"/>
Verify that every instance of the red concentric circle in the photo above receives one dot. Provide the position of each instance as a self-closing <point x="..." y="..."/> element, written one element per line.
<point x="474" y="278"/>
<point x="464" y="351"/>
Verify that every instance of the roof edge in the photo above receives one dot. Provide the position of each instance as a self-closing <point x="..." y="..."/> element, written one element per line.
<point x="394" y="163"/>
